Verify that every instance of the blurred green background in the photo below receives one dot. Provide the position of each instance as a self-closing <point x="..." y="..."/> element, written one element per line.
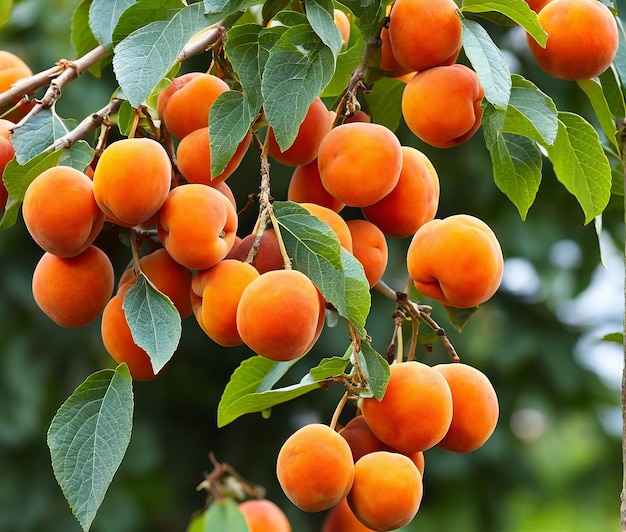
<point x="554" y="462"/>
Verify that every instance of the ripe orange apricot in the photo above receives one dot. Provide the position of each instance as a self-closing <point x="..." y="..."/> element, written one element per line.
<point x="537" y="5"/>
<point x="73" y="291"/>
<point x="197" y="225"/>
<point x="118" y="341"/>
<point x="268" y="256"/>
<point x="305" y="186"/>
<point x="178" y="82"/>
<point x="397" y="485"/>
<point x="360" y="162"/>
<point x="215" y="297"/>
<point x="412" y="202"/>
<point x="334" y="221"/>
<point x="456" y="261"/>
<point x="341" y="518"/>
<point x="425" y="33"/>
<point x="193" y="157"/>
<point x="475" y="407"/>
<point x="369" y="247"/>
<point x="343" y="25"/>
<point x="315" y="468"/>
<point x="278" y="315"/>
<point x="582" y="39"/>
<point x="7" y="152"/>
<point x="263" y="515"/>
<point x="60" y="211"/>
<point x="316" y="125"/>
<point x="12" y="69"/>
<point x="388" y="61"/>
<point x="167" y="275"/>
<point x="441" y="105"/>
<point x="416" y="411"/>
<point x="132" y="180"/>
<point x="187" y="108"/>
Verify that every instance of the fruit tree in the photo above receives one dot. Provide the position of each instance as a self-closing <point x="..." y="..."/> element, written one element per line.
<point x="280" y="238"/>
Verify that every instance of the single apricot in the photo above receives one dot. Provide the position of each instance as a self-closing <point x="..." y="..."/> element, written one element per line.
<point x="7" y="152"/>
<point x="359" y="116"/>
<point x="582" y="39"/>
<point x="315" y="468"/>
<point x="475" y="408"/>
<point x="412" y="202"/>
<point x="425" y="33"/>
<point x="118" y="341"/>
<point x="132" y="180"/>
<point x="168" y="276"/>
<point x="416" y="411"/>
<point x="341" y="518"/>
<point x="334" y="221"/>
<point x="73" y="291"/>
<point x="12" y="69"/>
<point x="227" y="191"/>
<point x="178" y="82"/>
<point x="60" y="211"/>
<point x="369" y="247"/>
<point x="388" y="61"/>
<point x="197" y="225"/>
<point x="441" y="105"/>
<point x="315" y="126"/>
<point x="343" y="25"/>
<point x="215" y="296"/>
<point x="268" y="256"/>
<point x="360" y="162"/>
<point x="387" y="490"/>
<point x="278" y="315"/>
<point x="263" y="515"/>
<point x="456" y="261"/>
<point x="537" y="5"/>
<point x="193" y="157"/>
<point x="187" y="107"/>
<point x="305" y="186"/>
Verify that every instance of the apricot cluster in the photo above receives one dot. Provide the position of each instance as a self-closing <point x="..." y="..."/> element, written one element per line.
<point x="381" y="450"/>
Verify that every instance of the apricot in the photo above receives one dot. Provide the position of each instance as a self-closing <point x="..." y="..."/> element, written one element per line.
<point x="268" y="256"/>
<point x="334" y="221"/>
<point x="582" y="39"/>
<point x="341" y="518"/>
<point x="305" y="186"/>
<point x="315" y="468"/>
<point x="441" y="105"/>
<point x="178" y="82"/>
<point x="73" y="291"/>
<point x="475" y="408"/>
<point x="360" y="162"/>
<point x="425" y="33"/>
<point x="7" y="152"/>
<point x="369" y="247"/>
<point x="132" y="180"/>
<point x="456" y="261"/>
<point x="227" y="191"/>
<point x="397" y="485"/>
<point x="215" y="296"/>
<point x="12" y="69"/>
<point x="278" y="315"/>
<point x="537" y="5"/>
<point x="263" y="515"/>
<point x="193" y="157"/>
<point x="359" y="116"/>
<point x="167" y="275"/>
<point x="416" y="411"/>
<point x="197" y="225"/>
<point x="186" y="107"/>
<point x="118" y="341"/>
<point x="60" y="211"/>
<point x="343" y="25"/>
<point x="388" y="61"/>
<point x="315" y="126"/>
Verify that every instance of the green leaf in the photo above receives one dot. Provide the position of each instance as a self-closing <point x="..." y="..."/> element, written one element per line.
<point x="83" y="38"/>
<point x="321" y="17"/>
<point x="297" y="70"/>
<point x="488" y="62"/>
<point x="17" y="177"/>
<point x="227" y="7"/>
<point x="250" y="387"/>
<point x="517" y="166"/>
<point x="611" y="86"/>
<point x="223" y="515"/>
<point x="594" y="92"/>
<point x="376" y="370"/>
<point x="88" y="438"/>
<point x="243" y="50"/>
<point x="384" y="101"/>
<point x="370" y="14"/>
<point x="79" y="156"/>
<point x="516" y="10"/>
<point x="316" y="252"/>
<point x="103" y="17"/>
<point x="37" y="134"/>
<point x="5" y="11"/>
<point x="616" y="337"/>
<point x="153" y="320"/>
<point x="141" y="13"/>
<point x="347" y="61"/>
<point x="581" y="165"/>
<point x="459" y="317"/>
<point x="145" y="57"/>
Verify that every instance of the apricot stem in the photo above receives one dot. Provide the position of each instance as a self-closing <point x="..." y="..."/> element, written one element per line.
<point x="339" y="409"/>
